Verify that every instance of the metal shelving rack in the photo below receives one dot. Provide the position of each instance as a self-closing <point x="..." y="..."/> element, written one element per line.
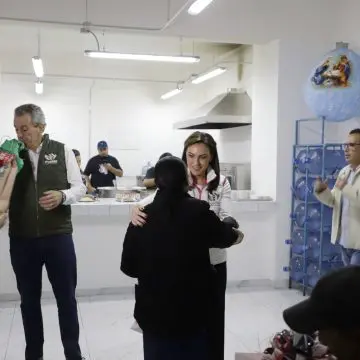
<point x="299" y="277"/>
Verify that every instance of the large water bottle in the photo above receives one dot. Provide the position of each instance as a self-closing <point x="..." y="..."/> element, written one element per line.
<point x="313" y="271"/>
<point x="297" y="269"/>
<point x="303" y="188"/>
<point x="298" y="242"/>
<point x="334" y="160"/>
<point x="313" y="216"/>
<point x="301" y="161"/>
<point x="145" y="168"/>
<point x="327" y="250"/>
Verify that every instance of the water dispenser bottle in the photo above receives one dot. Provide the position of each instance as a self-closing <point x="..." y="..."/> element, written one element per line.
<point x="334" y="160"/>
<point x="327" y="250"/>
<point x="313" y="272"/>
<point x="302" y="188"/>
<point x="297" y="268"/>
<point x="313" y="216"/>
<point x="298" y="242"/>
<point x="301" y="161"/>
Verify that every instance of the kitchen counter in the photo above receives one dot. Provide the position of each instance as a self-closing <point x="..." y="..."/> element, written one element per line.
<point x="111" y="207"/>
<point x="99" y="230"/>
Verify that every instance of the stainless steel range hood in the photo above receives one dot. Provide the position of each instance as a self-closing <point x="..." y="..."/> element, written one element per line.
<point x="229" y="110"/>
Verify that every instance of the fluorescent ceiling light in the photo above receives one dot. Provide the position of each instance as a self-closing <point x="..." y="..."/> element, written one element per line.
<point x="38" y="66"/>
<point x="171" y="93"/>
<point x="198" y="6"/>
<point x="142" y="57"/>
<point x="209" y="75"/>
<point x="39" y="87"/>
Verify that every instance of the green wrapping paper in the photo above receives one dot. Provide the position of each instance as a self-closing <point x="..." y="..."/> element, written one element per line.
<point x="14" y="147"/>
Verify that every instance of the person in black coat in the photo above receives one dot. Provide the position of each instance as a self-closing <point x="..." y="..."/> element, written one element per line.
<point x="169" y="256"/>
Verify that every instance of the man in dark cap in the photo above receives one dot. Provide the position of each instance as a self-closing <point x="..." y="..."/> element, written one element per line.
<point x="102" y="169"/>
<point x="333" y="311"/>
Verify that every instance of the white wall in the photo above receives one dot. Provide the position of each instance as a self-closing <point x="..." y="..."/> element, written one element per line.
<point x="265" y="118"/>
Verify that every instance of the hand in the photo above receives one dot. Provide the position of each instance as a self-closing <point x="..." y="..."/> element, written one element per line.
<point x="231" y="221"/>
<point x="108" y="167"/>
<point x="341" y="182"/>
<point x="320" y="185"/>
<point x="138" y="217"/>
<point x="50" y="200"/>
<point x="90" y="189"/>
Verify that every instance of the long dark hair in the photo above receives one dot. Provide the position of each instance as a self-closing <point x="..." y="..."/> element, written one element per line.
<point x="199" y="137"/>
<point x="172" y="181"/>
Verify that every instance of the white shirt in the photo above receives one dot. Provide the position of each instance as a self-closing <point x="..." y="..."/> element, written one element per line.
<point x="344" y="234"/>
<point x="77" y="188"/>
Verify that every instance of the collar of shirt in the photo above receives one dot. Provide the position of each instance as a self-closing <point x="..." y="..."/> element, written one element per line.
<point x="210" y="175"/>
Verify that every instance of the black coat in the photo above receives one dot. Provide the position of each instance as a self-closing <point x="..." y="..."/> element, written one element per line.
<point x="170" y="257"/>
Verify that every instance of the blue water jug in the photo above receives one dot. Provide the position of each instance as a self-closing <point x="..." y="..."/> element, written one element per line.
<point x="301" y="161"/>
<point x="334" y="160"/>
<point x="313" y="272"/>
<point x="298" y="242"/>
<point x="297" y="269"/>
<point x="313" y="216"/>
<point x="327" y="250"/>
<point x="303" y="188"/>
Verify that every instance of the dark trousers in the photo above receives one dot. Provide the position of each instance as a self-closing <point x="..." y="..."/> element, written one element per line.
<point x="193" y="347"/>
<point x="57" y="253"/>
<point x="216" y="327"/>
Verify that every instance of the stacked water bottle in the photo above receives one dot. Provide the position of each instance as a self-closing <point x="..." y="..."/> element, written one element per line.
<point x="312" y="254"/>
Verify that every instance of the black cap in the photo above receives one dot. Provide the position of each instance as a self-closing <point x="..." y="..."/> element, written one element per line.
<point x="333" y="304"/>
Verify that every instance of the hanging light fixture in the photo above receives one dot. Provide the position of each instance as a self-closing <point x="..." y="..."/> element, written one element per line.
<point x="209" y="75"/>
<point x="142" y="57"/>
<point x="38" y="67"/>
<point x="39" y="87"/>
<point x="198" y="6"/>
<point x="174" y="92"/>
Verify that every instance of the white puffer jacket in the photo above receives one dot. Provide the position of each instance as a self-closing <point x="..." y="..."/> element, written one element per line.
<point x="219" y="201"/>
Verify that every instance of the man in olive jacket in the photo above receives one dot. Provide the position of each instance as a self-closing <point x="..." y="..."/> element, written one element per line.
<point x="40" y="231"/>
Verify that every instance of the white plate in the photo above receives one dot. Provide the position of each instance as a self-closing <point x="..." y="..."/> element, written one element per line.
<point x="86" y="200"/>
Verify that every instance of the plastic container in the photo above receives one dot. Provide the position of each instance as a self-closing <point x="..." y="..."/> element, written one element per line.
<point x="313" y="272"/>
<point x="334" y="161"/>
<point x="313" y="216"/>
<point x="301" y="161"/>
<point x="297" y="269"/>
<point x="145" y="168"/>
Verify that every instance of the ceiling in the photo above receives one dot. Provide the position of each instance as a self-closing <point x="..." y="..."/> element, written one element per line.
<point x="239" y="21"/>
<point x="62" y="51"/>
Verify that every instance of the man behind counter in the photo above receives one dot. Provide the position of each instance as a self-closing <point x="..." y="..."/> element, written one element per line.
<point x="102" y="169"/>
<point x="149" y="180"/>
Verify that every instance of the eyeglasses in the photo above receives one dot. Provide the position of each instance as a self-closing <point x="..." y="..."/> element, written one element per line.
<point x="350" y="145"/>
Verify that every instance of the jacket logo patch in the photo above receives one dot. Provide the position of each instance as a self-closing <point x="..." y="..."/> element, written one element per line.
<point x="50" y="159"/>
<point x="214" y="197"/>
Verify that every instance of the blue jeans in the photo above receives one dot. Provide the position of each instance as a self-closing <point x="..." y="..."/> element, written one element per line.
<point x="350" y="256"/>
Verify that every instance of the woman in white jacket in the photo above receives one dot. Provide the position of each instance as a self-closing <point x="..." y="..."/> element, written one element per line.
<point x="206" y="183"/>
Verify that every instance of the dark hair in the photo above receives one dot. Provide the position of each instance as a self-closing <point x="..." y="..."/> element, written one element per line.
<point x="171" y="175"/>
<point x="164" y="155"/>
<point x="36" y="113"/>
<point x="76" y="152"/>
<point x="206" y="139"/>
<point x="354" y="131"/>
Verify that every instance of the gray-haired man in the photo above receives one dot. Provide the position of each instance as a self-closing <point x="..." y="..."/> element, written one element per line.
<point x="40" y="230"/>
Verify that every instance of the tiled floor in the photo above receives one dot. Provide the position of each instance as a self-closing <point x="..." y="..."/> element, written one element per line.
<point x="252" y="317"/>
